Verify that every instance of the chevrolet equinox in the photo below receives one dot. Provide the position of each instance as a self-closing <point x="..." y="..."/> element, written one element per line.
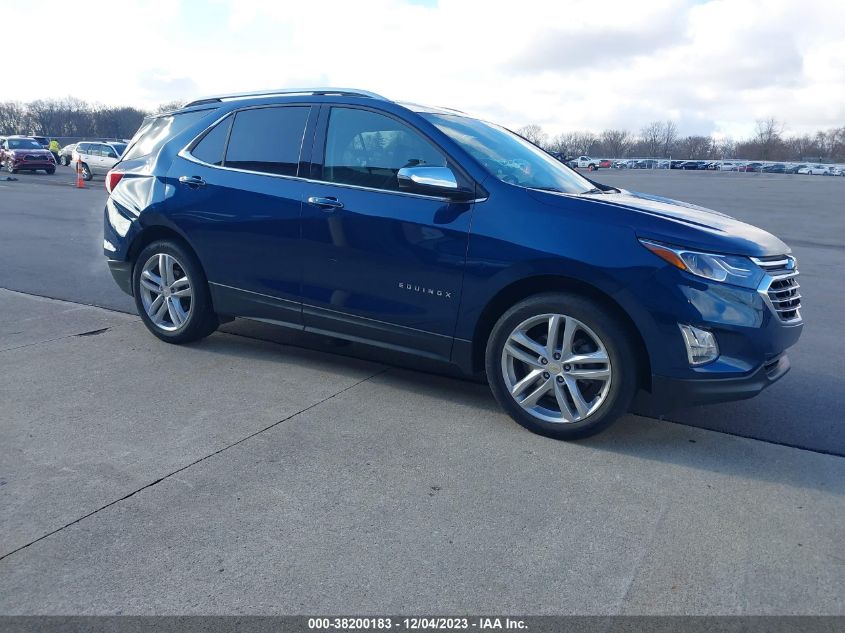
<point x="431" y="232"/>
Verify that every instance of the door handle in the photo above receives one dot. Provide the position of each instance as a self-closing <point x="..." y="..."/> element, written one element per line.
<point x="326" y="204"/>
<point x="192" y="181"/>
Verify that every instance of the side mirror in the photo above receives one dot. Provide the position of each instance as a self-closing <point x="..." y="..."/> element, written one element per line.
<point x="434" y="181"/>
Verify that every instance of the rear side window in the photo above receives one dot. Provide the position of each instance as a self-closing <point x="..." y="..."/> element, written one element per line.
<point x="82" y="148"/>
<point x="156" y="131"/>
<point x="267" y="140"/>
<point x="211" y="146"/>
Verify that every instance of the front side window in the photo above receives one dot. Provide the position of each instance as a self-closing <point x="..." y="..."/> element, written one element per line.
<point x="267" y="140"/>
<point x="367" y="149"/>
<point x="509" y="157"/>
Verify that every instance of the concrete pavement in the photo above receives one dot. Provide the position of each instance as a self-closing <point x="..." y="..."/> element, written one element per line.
<point x="240" y="476"/>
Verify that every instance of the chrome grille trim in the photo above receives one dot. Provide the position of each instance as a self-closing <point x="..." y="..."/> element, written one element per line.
<point x="780" y="288"/>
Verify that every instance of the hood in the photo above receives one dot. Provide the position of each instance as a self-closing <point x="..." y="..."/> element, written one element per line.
<point x="685" y="224"/>
<point x="37" y="152"/>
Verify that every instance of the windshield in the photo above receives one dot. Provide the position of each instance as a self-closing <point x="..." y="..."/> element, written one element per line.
<point x="509" y="157"/>
<point x="23" y="143"/>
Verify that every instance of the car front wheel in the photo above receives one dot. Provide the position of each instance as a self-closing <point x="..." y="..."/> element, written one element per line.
<point x="561" y="366"/>
<point x="171" y="293"/>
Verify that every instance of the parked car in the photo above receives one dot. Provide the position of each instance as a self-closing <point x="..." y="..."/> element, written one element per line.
<point x="837" y="170"/>
<point x="692" y="164"/>
<point x="22" y="153"/>
<point x="604" y="163"/>
<point x="751" y="167"/>
<point x="646" y="163"/>
<point x="97" y="157"/>
<point x="774" y="168"/>
<point x="793" y="169"/>
<point x="66" y="154"/>
<point x="43" y="141"/>
<point x="676" y="164"/>
<point x="728" y="166"/>
<point x="813" y="170"/>
<point x="339" y="211"/>
<point x="585" y="162"/>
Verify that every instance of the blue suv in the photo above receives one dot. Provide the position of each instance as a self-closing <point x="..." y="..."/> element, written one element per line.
<point x="431" y="232"/>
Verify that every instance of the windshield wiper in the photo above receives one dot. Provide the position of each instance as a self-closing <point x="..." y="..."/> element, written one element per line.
<point x="554" y="189"/>
<point x="594" y="190"/>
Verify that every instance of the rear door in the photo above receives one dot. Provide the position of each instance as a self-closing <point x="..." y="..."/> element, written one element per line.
<point x="237" y="197"/>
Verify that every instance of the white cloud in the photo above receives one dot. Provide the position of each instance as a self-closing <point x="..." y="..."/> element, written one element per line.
<point x="713" y="66"/>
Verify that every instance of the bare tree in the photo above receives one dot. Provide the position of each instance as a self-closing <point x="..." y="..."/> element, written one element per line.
<point x="769" y="132"/>
<point x="668" y="138"/>
<point x="651" y="138"/>
<point x="615" y="143"/>
<point x="12" y="117"/>
<point x="533" y="133"/>
<point x="170" y="105"/>
<point x="696" y="147"/>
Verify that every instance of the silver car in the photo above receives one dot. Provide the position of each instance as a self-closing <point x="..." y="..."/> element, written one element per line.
<point x="97" y="157"/>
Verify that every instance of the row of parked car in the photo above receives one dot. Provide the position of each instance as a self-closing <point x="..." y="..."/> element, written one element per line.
<point x="32" y="153"/>
<point x="812" y="169"/>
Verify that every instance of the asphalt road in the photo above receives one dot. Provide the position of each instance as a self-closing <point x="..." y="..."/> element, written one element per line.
<point x="51" y="245"/>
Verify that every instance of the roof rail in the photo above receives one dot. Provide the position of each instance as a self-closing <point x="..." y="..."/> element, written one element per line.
<point x="352" y="92"/>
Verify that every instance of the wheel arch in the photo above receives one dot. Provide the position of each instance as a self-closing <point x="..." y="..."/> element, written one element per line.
<point x="153" y="233"/>
<point x="527" y="287"/>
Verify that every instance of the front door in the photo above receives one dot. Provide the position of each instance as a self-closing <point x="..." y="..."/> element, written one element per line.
<point x="383" y="265"/>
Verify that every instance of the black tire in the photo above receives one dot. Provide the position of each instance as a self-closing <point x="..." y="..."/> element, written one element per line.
<point x="50" y="171"/>
<point x="86" y="172"/>
<point x="64" y="161"/>
<point x="201" y="320"/>
<point x="10" y="168"/>
<point x="613" y="336"/>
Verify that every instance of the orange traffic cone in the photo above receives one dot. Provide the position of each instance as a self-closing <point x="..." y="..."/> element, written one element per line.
<point x="80" y="183"/>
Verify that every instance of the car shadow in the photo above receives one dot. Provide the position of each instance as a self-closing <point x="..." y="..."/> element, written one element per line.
<point x="659" y="441"/>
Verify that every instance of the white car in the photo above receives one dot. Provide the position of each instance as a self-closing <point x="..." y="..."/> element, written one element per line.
<point x="814" y="170"/>
<point x="585" y="162"/>
<point x="96" y="157"/>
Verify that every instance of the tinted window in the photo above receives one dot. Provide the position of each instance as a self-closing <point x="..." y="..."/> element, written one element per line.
<point x="211" y="146"/>
<point x="119" y="148"/>
<point x="82" y="148"/>
<point x="156" y="131"/>
<point x="96" y="149"/>
<point x="267" y="139"/>
<point x="367" y="149"/>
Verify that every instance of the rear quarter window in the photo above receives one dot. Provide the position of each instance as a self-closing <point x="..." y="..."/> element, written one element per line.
<point x="156" y="131"/>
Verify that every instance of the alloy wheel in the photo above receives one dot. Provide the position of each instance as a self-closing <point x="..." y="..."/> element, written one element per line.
<point x="556" y="368"/>
<point x="166" y="292"/>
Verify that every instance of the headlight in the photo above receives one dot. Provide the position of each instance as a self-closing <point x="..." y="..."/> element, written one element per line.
<point x="730" y="269"/>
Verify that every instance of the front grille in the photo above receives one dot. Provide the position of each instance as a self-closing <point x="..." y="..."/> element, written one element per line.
<point x="33" y="157"/>
<point x="783" y="289"/>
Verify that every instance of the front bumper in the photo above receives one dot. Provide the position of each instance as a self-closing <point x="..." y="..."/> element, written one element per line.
<point x="668" y="394"/>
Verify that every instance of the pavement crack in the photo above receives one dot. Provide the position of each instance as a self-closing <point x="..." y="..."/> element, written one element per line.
<point x="376" y="374"/>
<point x="94" y="332"/>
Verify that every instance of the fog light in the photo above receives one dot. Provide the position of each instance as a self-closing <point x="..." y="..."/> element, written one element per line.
<point x="701" y="344"/>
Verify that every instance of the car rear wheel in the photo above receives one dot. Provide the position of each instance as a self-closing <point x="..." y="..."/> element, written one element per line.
<point x="86" y="172"/>
<point x="561" y="366"/>
<point x="171" y="293"/>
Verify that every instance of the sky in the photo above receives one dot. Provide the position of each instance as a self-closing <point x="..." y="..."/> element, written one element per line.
<point x="713" y="67"/>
